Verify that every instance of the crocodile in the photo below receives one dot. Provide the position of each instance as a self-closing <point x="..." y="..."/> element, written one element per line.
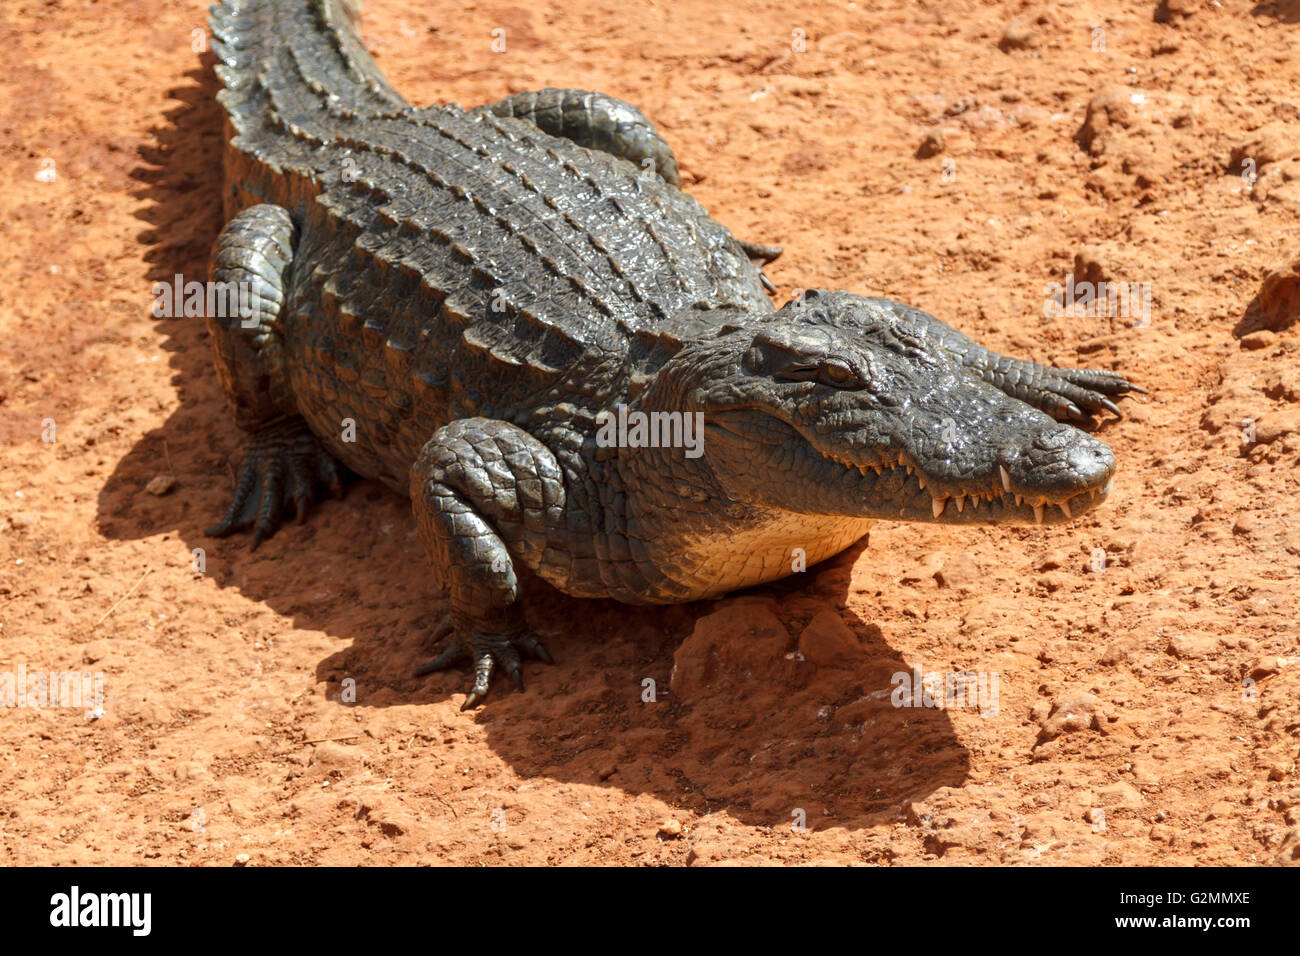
<point x="515" y="316"/>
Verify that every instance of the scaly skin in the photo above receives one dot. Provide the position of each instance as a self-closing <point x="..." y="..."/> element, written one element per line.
<point x="450" y="301"/>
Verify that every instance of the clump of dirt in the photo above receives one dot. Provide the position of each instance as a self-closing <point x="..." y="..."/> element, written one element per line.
<point x="1123" y="690"/>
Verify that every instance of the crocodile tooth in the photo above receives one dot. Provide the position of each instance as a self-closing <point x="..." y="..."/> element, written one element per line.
<point x="1038" y="514"/>
<point x="1105" y="489"/>
<point x="961" y="503"/>
<point x="920" y="481"/>
<point x="1019" y="500"/>
<point x="937" y="505"/>
<point x="1065" y="506"/>
<point x="1006" y="479"/>
<point x="909" y="471"/>
<point x="975" y="502"/>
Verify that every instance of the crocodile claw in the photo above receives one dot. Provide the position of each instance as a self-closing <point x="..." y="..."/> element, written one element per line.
<point x="1075" y="393"/>
<point x="487" y="651"/>
<point x="758" y="252"/>
<point x="284" y="467"/>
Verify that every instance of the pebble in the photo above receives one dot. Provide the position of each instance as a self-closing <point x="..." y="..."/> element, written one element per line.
<point x="1279" y="293"/>
<point x="1068" y="716"/>
<point x="1264" y="667"/>
<point x="1193" y="646"/>
<point x="959" y="571"/>
<point x="1018" y="35"/>
<point x="932" y="145"/>
<point x="1259" y="339"/>
<point x="827" y="641"/>
<point x="160" y="485"/>
<point x="1120" y="794"/>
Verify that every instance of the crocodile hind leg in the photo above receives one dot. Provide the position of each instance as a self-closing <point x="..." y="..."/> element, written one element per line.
<point x="284" y="465"/>
<point x="597" y="122"/>
<point x="610" y="125"/>
<point x="477" y="486"/>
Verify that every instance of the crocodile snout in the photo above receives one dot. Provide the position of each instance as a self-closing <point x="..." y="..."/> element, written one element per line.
<point x="1058" y="463"/>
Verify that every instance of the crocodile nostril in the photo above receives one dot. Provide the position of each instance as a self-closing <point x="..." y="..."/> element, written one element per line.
<point x="1091" y="460"/>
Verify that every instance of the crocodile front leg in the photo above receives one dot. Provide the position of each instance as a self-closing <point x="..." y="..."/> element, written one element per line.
<point x="477" y="485"/>
<point x="1063" y="393"/>
<point x="284" y="465"/>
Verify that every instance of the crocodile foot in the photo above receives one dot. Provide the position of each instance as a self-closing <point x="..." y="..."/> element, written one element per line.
<point x="757" y="252"/>
<point x="486" y="650"/>
<point x="1076" y="393"/>
<point x="284" y="467"/>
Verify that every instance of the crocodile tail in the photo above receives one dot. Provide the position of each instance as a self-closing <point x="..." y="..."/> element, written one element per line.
<point x="295" y="76"/>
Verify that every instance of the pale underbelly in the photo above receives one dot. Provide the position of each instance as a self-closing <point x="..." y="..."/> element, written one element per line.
<point x="784" y="545"/>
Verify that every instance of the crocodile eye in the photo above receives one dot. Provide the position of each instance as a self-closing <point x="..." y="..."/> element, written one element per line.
<point x="838" y="375"/>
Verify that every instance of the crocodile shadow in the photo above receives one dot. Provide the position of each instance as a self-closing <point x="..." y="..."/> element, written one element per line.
<point x="754" y="740"/>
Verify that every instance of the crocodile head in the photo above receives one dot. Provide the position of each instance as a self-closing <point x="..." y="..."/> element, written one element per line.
<point x="843" y="410"/>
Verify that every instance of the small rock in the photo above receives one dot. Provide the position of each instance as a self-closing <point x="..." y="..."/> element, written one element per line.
<point x="932" y="145"/>
<point x="1279" y="294"/>
<point x="1018" y="35"/>
<point x="607" y="771"/>
<point x="959" y="571"/>
<point x="1120" y="650"/>
<point x="1264" y="667"/>
<point x="1277" y="424"/>
<point x="926" y="571"/>
<point x="1051" y="560"/>
<point x="1193" y="646"/>
<point x="242" y="859"/>
<point x="1162" y="833"/>
<point x="1098" y="262"/>
<point x="21" y="520"/>
<point x="94" y="651"/>
<point x="1069" y="716"/>
<point x="1120" y="794"/>
<point x="1268" y="144"/>
<point x="670" y="829"/>
<point x="739" y="638"/>
<point x="1220" y="811"/>
<point x="1245" y="524"/>
<point x="332" y="755"/>
<point x="1146" y="773"/>
<point x="827" y="641"/>
<point x="160" y="485"/>
<point x="1126" y="108"/>
<point x="1042" y="829"/>
<point x="1282" y="384"/>
<point x="1172" y="11"/>
<point x="1289" y="854"/>
<point x="1260" y="339"/>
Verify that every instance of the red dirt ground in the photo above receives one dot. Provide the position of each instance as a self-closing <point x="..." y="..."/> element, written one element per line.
<point x="1123" y="733"/>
